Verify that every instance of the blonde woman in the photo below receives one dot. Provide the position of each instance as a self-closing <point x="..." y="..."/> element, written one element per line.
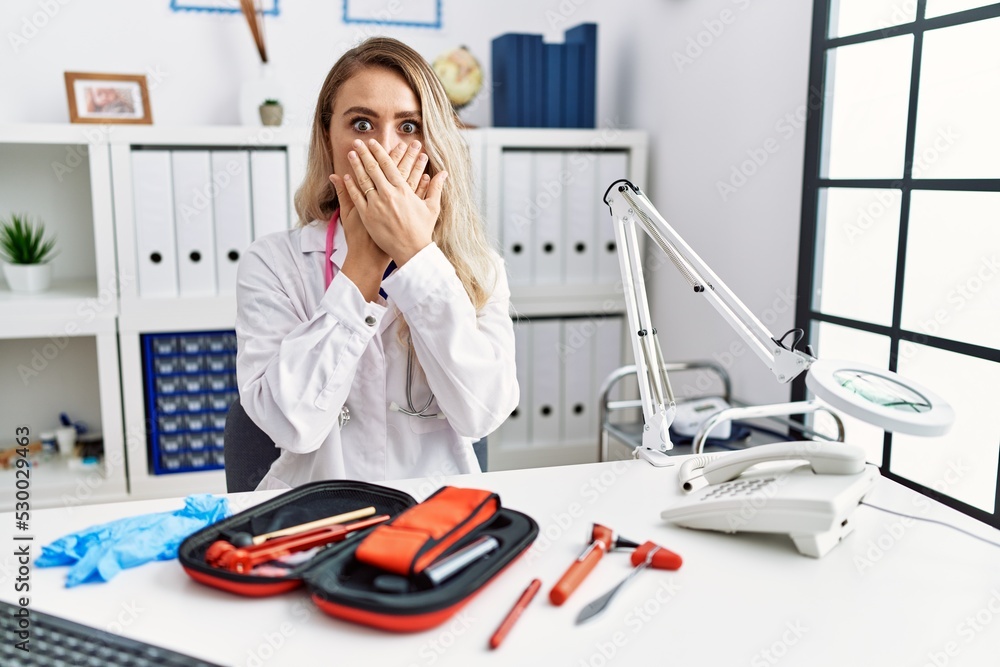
<point x="374" y="339"/>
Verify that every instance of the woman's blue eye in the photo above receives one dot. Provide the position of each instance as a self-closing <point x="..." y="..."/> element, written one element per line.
<point x="362" y="126"/>
<point x="409" y="127"/>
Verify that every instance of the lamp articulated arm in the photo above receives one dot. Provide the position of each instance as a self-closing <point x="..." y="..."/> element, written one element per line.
<point x="631" y="208"/>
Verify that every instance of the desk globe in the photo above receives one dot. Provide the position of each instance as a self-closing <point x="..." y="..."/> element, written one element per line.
<point x="461" y="75"/>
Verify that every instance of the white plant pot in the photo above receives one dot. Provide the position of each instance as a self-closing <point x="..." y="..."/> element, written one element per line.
<point x="28" y="278"/>
<point x="254" y="91"/>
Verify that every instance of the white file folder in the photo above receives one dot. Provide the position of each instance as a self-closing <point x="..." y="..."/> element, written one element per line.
<point x="549" y="197"/>
<point x="546" y="382"/>
<point x="233" y="222"/>
<point x="517" y="212"/>
<point x="607" y="347"/>
<point x="579" y="388"/>
<point x="585" y="209"/>
<point x="517" y="428"/>
<point x="193" y="220"/>
<point x="474" y="138"/>
<point x="269" y="191"/>
<point x="611" y="166"/>
<point x="156" y="247"/>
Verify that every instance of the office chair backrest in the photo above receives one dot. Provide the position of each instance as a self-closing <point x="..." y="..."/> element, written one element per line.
<point x="249" y="451"/>
<point x="482" y="453"/>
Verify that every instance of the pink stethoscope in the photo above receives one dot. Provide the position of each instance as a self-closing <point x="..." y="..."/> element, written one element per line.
<point x="331" y="231"/>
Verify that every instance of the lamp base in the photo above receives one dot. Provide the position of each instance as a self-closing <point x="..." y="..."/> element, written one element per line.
<point x="653" y="456"/>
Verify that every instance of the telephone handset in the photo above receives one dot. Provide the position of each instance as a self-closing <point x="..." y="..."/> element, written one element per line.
<point x="812" y="503"/>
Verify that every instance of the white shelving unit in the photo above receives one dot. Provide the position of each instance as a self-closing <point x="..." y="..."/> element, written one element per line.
<point x="580" y="302"/>
<point x="60" y="348"/>
<point x="560" y="299"/>
<point x="141" y="315"/>
<point x="98" y="306"/>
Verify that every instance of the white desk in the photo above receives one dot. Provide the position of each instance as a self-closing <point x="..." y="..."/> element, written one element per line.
<point x="894" y="593"/>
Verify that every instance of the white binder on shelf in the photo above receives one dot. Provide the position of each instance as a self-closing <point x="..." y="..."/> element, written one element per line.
<point x="517" y="428"/>
<point x="549" y="197"/>
<point x="584" y="211"/>
<point x="269" y="191"/>
<point x="611" y="166"/>
<point x="577" y="344"/>
<point x="474" y="138"/>
<point x="607" y="347"/>
<point x="153" y="202"/>
<point x="516" y="210"/>
<point x="233" y="221"/>
<point x="193" y="220"/>
<point x="546" y="382"/>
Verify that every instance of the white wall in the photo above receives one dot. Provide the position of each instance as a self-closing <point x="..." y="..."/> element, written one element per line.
<point x="702" y="116"/>
<point x="195" y="62"/>
<point x="713" y="80"/>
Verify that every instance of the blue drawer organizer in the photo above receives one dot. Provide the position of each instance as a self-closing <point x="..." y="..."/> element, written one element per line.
<point x="190" y="381"/>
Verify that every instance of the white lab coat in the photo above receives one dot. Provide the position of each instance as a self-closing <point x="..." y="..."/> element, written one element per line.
<point x="304" y="352"/>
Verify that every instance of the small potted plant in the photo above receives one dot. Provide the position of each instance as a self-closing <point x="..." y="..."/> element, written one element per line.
<point x="26" y="254"/>
<point x="270" y="112"/>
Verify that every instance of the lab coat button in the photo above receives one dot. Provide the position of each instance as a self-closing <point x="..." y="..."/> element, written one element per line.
<point x="370" y="320"/>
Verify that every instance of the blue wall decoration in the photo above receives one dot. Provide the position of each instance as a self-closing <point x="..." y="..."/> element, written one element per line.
<point x="270" y="7"/>
<point x="408" y="13"/>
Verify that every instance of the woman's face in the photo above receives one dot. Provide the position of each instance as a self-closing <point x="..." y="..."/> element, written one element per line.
<point x="375" y="103"/>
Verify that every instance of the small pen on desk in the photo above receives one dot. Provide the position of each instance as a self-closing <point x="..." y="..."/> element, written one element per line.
<point x="515" y="613"/>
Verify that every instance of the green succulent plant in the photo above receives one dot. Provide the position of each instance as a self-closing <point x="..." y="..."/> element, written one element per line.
<point x="22" y="242"/>
<point x="270" y="102"/>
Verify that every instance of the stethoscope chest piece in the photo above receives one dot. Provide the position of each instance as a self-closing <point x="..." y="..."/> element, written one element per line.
<point x="345" y="414"/>
<point x="412" y="411"/>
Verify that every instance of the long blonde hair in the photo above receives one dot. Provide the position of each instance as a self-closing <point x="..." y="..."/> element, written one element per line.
<point x="459" y="232"/>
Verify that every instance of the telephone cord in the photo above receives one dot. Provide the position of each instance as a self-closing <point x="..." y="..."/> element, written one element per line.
<point x="925" y="519"/>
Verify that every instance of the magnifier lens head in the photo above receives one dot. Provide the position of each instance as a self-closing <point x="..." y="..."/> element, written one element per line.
<point x="882" y="391"/>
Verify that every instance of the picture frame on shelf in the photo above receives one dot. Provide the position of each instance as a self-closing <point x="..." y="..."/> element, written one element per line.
<point x="108" y="98"/>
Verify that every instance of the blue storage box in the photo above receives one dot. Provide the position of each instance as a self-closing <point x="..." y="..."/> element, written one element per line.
<point x="190" y="382"/>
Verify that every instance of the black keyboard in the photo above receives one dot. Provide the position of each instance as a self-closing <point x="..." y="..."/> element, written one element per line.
<point x="59" y="642"/>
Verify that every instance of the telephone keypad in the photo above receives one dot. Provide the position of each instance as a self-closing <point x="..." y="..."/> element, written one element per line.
<point x="741" y="487"/>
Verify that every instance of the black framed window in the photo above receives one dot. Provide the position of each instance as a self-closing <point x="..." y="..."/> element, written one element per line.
<point x="900" y="243"/>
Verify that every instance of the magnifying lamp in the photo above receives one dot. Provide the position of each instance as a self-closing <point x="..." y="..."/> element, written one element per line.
<point x="876" y="396"/>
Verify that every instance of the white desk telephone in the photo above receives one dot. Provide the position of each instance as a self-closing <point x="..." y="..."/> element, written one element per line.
<point x="812" y="502"/>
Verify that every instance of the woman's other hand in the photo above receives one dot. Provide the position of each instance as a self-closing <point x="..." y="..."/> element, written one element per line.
<point x="399" y="216"/>
<point x="366" y="261"/>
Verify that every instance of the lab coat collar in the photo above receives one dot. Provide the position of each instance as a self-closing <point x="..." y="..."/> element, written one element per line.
<point x="313" y="239"/>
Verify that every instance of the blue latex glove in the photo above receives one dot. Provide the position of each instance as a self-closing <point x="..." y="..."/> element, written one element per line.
<point x="100" y="552"/>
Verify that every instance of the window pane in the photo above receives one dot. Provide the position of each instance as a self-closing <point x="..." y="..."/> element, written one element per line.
<point x="856" y="253"/>
<point x="963" y="463"/>
<point x="850" y="17"/>
<point x="957" y="132"/>
<point x="836" y="342"/>
<point x="942" y="7"/>
<point x="869" y="88"/>
<point x="952" y="286"/>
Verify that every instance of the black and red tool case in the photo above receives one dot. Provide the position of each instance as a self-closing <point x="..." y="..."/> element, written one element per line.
<point x="343" y="585"/>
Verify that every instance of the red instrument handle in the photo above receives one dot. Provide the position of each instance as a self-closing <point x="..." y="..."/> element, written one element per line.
<point x="244" y="560"/>
<point x="576" y="573"/>
<point x="515" y="613"/>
